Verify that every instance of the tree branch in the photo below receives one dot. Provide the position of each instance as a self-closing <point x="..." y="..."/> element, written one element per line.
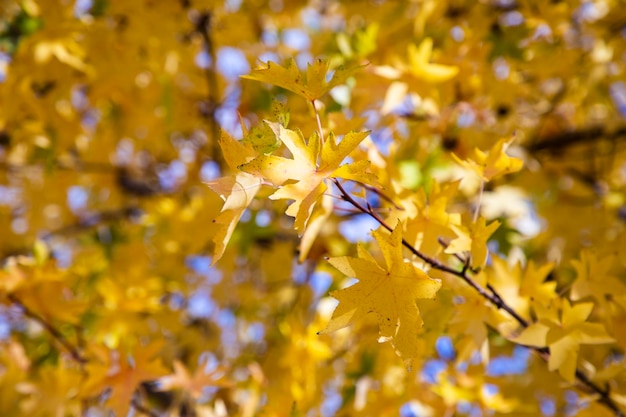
<point x="489" y="294"/>
<point x="562" y="140"/>
<point x="53" y="331"/>
<point x="203" y="25"/>
<point x="94" y="220"/>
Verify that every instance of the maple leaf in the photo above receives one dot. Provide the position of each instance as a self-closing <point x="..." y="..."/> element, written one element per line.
<point x="39" y="286"/>
<point x="54" y="393"/>
<point x="388" y="290"/>
<point x="419" y="66"/>
<point x="422" y="68"/>
<point x="122" y="374"/>
<point x="196" y="383"/>
<point x="311" y="84"/>
<point x="534" y="285"/>
<point x="469" y="320"/>
<point x="563" y="334"/>
<point x="236" y="190"/>
<point x="304" y="169"/>
<point x="593" y="278"/>
<point x="492" y="164"/>
<point x="473" y="239"/>
<point x="427" y="217"/>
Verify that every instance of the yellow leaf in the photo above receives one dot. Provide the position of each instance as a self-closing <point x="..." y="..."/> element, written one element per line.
<point x="311" y="84"/>
<point x="236" y="190"/>
<point x="534" y="286"/>
<point x="235" y="152"/>
<point x="389" y="291"/>
<point x="594" y="279"/>
<point x="533" y="335"/>
<point x="39" y="285"/>
<point x="66" y="50"/>
<point x="473" y="240"/>
<point x="309" y="176"/>
<point x="563" y="335"/>
<point x="122" y="373"/>
<point x="194" y="384"/>
<point x="420" y="67"/>
<point x="492" y="164"/>
<point x="428" y="218"/>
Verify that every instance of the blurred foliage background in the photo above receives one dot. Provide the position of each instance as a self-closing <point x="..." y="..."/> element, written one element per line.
<point x="110" y="115"/>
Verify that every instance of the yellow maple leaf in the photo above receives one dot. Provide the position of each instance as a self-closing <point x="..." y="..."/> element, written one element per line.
<point x="428" y="218"/>
<point x="421" y="67"/>
<point x="122" y="373"/>
<point x="236" y="190"/>
<point x="563" y="334"/>
<point x="469" y="320"/>
<point x="304" y="169"/>
<point x="492" y="164"/>
<point x="39" y="286"/>
<point x="195" y="384"/>
<point x="54" y="392"/>
<point x="473" y="239"/>
<point x="389" y="291"/>
<point x="594" y="278"/>
<point x="311" y="84"/>
<point x="534" y="285"/>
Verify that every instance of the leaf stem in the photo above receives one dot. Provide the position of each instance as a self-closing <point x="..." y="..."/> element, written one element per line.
<point x="319" y="121"/>
<point x="480" y="199"/>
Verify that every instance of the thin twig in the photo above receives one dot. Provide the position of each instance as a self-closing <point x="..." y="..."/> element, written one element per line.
<point x="589" y="134"/>
<point x="53" y="331"/>
<point x="347" y="210"/>
<point x="76" y="165"/>
<point x="94" y="220"/>
<point x="380" y="194"/>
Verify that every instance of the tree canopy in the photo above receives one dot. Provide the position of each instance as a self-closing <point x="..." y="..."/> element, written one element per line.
<point x="302" y="208"/>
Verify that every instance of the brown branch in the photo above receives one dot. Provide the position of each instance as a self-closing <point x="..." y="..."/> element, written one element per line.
<point x="86" y="223"/>
<point x="75" y="165"/>
<point x="465" y="261"/>
<point x="203" y="26"/>
<point x="53" y="331"/>
<point x="94" y="220"/>
<point x="493" y="297"/>
<point x="565" y="139"/>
